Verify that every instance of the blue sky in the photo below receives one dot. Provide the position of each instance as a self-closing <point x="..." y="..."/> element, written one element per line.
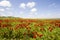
<point x="30" y="8"/>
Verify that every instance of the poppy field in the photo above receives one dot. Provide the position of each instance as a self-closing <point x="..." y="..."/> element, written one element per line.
<point x="29" y="29"/>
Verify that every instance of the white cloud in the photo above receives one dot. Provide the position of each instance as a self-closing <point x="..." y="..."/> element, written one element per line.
<point x="1" y="10"/>
<point x="30" y="4"/>
<point x="22" y="5"/>
<point x="33" y="10"/>
<point x="5" y="3"/>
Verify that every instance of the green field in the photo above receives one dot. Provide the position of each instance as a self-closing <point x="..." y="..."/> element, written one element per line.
<point x="12" y="28"/>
